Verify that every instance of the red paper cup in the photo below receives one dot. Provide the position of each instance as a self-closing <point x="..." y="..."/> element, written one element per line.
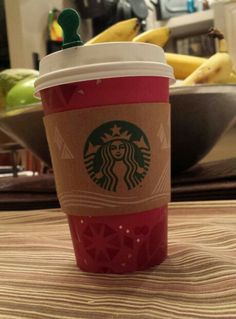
<point x="132" y="235"/>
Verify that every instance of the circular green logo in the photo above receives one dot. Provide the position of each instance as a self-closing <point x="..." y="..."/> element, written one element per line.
<point x="117" y="155"/>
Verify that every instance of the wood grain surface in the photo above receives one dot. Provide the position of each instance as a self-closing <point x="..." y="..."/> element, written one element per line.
<point x="39" y="278"/>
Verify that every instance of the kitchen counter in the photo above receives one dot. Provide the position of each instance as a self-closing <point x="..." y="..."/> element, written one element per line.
<point x="39" y="278"/>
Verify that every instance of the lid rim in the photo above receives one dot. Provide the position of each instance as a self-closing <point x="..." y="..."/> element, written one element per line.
<point x="109" y="52"/>
<point x="103" y="71"/>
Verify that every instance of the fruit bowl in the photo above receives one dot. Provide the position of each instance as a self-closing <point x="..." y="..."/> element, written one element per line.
<point x="25" y="126"/>
<point x="200" y="115"/>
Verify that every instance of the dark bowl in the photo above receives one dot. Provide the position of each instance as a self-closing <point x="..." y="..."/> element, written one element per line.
<point x="25" y="126"/>
<point x="200" y="115"/>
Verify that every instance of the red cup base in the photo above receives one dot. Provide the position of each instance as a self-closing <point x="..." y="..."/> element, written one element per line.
<point x="120" y="244"/>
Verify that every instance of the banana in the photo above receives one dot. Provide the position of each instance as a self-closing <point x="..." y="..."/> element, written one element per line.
<point x="216" y="69"/>
<point x="158" y="36"/>
<point x="121" y="31"/>
<point x="232" y="77"/>
<point x="183" y="65"/>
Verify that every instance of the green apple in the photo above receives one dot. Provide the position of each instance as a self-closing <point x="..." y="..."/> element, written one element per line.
<point x="22" y="94"/>
<point x="9" y="78"/>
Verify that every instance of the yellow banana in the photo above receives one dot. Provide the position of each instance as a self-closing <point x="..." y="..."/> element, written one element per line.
<point x="121" y="31"/>
<point x="158" y="36"/>
<point x="216" y="69"/>
<point x="232" y="77"/>
<point x="183" y="65"/>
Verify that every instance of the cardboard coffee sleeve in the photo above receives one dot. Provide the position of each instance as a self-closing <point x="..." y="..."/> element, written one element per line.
<point x="111" y="160"/>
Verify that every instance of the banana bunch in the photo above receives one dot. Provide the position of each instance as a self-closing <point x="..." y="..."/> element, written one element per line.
<point x="128" y="30"/>
<point x="121" y="31"/>
<point x="190" y="69"/>
<point x="184" y="65"/>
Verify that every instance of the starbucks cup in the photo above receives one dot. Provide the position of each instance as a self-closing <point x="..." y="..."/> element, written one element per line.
<point x="107" y="120"/>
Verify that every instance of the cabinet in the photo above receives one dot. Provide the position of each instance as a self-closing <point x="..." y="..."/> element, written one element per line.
<point x="188" y="24"/>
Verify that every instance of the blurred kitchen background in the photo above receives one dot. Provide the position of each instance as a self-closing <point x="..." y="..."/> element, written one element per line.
<point x="25" y="39"/>
<point x="24" y="23"/>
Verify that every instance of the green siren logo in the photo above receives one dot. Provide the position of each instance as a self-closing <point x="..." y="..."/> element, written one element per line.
<point x="117" y="156"/>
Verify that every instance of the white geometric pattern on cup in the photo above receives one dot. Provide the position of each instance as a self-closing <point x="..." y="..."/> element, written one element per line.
<point x="162" y="184"/>
<point x="64" y="150"/>
<point x="95" y="200"/>
<point x="163" y="138"/>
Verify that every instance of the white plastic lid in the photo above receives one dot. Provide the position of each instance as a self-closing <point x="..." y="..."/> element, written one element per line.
<point x="100" y="61"/>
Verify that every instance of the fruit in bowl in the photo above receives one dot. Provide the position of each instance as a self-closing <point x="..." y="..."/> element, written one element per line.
<point x="21" y="114"/>
<point x="21" y="94"/>
<point x="9" y="78"/>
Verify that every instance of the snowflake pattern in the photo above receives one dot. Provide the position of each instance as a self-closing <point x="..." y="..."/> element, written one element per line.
<point x="101" y="242"/>
<point x="109" y="248"/>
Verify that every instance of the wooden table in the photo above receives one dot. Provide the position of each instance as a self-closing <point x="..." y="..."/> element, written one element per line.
<point x="39" y="279"/>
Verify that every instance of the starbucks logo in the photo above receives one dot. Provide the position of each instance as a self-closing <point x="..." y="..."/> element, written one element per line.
<point x="117" y="156"/>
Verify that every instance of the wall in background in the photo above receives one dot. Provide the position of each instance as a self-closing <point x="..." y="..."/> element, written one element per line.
<point x="225" y="20"/>
<point x="27" y="28"/>
<point x="4" y="53"/>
